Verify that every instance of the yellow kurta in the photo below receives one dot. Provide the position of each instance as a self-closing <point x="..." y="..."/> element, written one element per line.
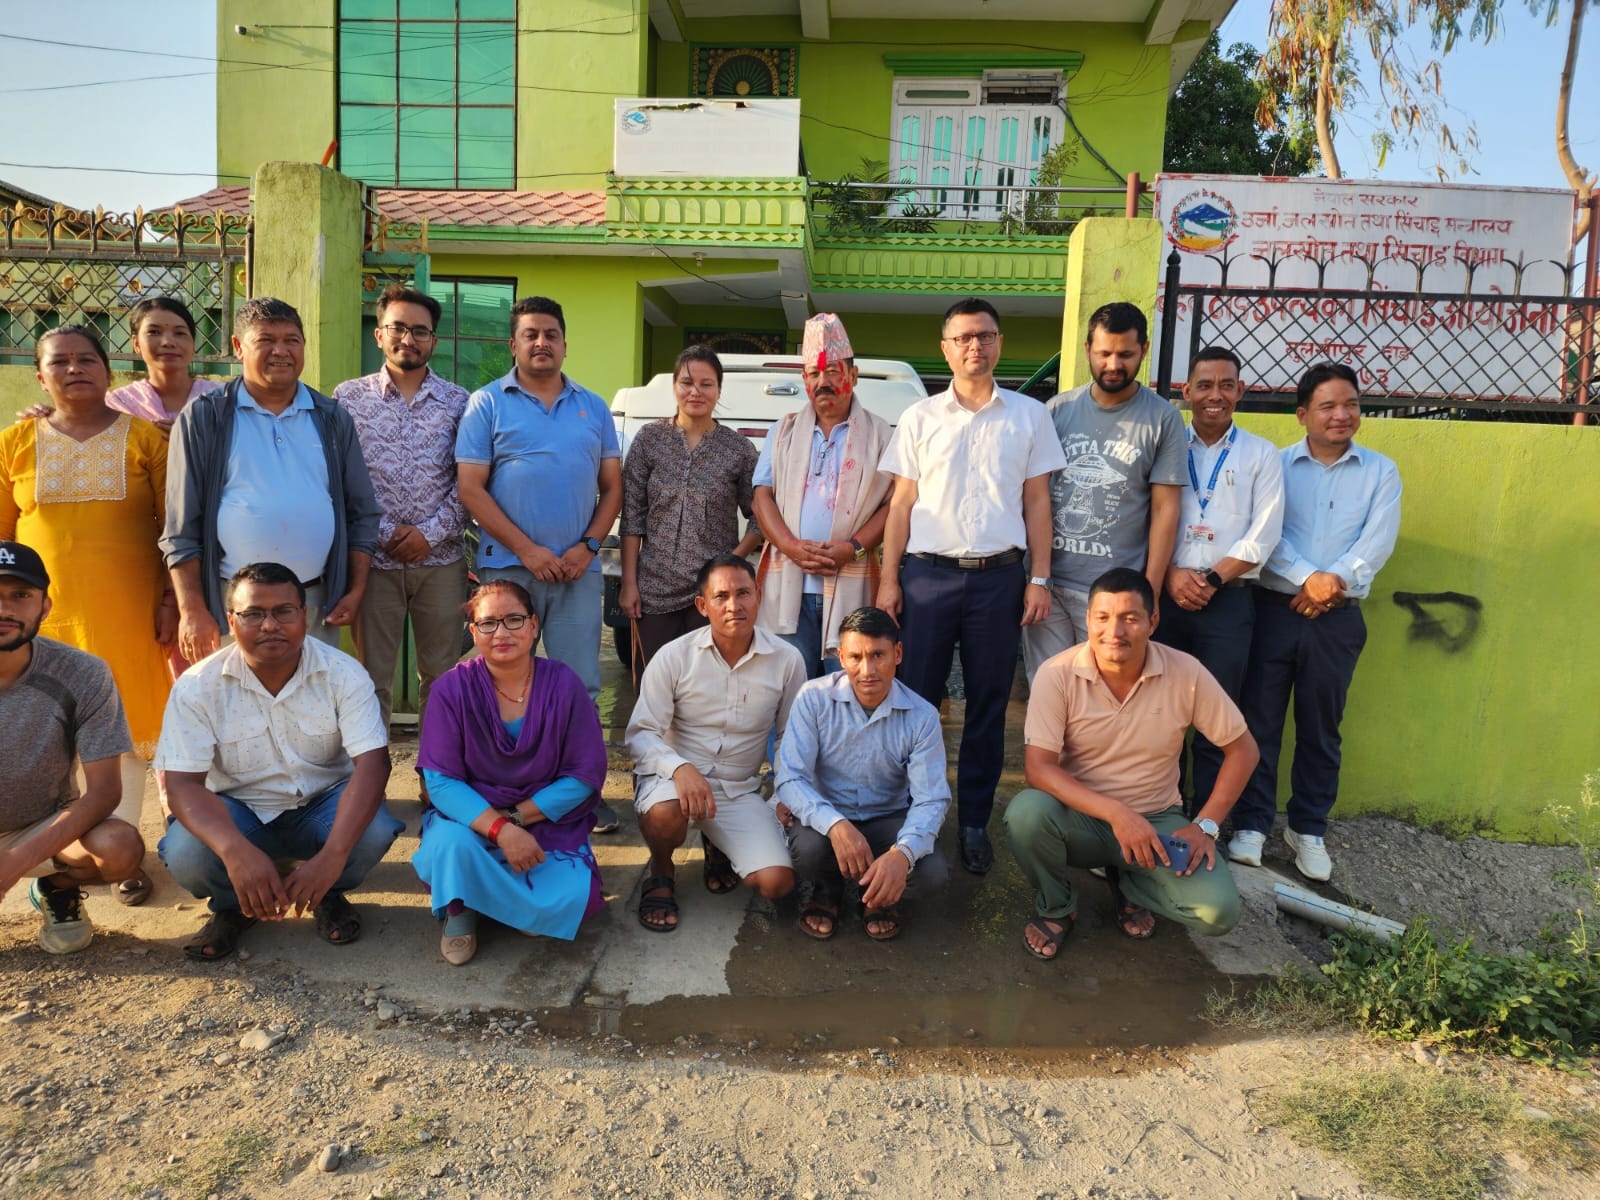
<point x="93" y="510"/>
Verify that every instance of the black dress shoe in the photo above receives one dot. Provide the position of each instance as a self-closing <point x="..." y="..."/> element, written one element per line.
<point x="977" y="855"/>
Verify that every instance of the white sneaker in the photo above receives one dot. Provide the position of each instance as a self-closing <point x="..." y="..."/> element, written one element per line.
<point x="64" y="928"/>
<point x="1310" y="855"/>
<point x="1245" y="847"/>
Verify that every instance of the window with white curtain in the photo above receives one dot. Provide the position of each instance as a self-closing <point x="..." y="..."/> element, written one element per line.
<point x="964" y="149"/>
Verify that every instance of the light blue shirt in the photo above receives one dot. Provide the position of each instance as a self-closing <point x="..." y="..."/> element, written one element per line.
<point x="838" y="762"/>
<point x="1342" y="518"/>
<point x="544" y="464"/>
<point x="275" y="505"/>
<point x="821" y="491"/>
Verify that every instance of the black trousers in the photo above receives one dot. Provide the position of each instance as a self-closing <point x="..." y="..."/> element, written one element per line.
<point x="1311" y="663"/>
<point x="1219" y="636"/>
<point x="981" y="611"/>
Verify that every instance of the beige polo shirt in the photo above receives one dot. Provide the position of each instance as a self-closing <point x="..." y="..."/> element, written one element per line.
<point x="1127" y="750"/>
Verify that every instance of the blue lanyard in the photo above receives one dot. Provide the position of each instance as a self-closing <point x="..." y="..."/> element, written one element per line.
<point x="1216" y="472"/>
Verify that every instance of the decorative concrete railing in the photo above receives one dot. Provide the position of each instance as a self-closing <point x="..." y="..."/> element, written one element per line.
<point x="710" y="212"/>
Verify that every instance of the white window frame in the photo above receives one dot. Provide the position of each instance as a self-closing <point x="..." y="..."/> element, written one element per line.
<point x="961" y="158"/>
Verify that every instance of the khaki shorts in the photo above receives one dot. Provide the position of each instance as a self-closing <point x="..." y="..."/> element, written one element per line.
<point x="38" y="870"/>
<point x="745" y="828"/>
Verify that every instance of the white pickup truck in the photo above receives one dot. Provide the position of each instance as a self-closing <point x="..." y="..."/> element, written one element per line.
<point x="756" y="391"/>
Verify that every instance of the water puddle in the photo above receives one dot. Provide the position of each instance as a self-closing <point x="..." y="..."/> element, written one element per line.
<point x="1072" y="1019"/>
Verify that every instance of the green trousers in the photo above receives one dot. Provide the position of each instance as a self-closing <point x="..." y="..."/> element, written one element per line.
<point x="1047" y="837"/>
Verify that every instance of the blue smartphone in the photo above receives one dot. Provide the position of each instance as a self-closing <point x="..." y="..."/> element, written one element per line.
<point x="1177" y="851"/>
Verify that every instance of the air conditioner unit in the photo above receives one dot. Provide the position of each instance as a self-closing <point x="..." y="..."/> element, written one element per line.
<point x="1021" y="86"/>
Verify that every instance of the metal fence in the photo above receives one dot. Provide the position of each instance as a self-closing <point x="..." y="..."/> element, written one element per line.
<point x="62" y="266"/>
<point x="1520" y="347"/>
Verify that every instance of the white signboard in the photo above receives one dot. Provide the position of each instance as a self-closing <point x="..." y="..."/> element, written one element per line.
<point x="741" y="138"/>
<point x="1413" y="251"/>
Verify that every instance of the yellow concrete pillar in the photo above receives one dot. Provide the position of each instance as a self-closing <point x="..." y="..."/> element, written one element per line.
<point x="308" y="237"/>
<point x="1108" y="259"/>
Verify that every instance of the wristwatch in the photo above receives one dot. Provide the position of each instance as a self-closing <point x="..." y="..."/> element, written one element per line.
<point x="1208" y="827"/>
<point x="1039" y="580"/>
<point x="910" y="858"/>
<point x="861" y="551"/>
<point x="593" y="543"/>
<point x="1214" y="579"/>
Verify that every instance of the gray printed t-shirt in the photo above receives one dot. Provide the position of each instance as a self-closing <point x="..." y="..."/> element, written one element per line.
<point x="1100" y="503"/>
<point x="64" y="706"/>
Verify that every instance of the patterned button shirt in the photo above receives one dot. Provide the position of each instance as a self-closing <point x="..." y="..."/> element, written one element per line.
<point x="411" y="455"/>
<point x="685" y="504"/>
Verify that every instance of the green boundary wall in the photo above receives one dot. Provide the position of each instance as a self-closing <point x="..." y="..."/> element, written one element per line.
<point x="1477" y="721"/>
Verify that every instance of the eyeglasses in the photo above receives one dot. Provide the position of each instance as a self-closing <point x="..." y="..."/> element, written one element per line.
<point x="417" y="333"/>
<point x="282" y="614"/>
<point x="986" y="338"/>
<point x="512" y="621"/>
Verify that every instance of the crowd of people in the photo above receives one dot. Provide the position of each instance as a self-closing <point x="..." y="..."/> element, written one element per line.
<point x="178" y="558"/>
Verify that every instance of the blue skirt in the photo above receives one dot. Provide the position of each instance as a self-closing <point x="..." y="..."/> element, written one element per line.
<point x="458" y="864"/>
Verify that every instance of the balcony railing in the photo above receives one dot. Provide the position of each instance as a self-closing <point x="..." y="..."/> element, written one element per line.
<point x="871" y="209"/>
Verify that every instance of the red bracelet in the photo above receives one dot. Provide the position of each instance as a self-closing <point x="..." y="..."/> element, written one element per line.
<point x="495" y="828"/>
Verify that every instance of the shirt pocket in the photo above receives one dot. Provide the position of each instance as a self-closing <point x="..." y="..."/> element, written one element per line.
<point x="247" y="754"/>
<point x="317" y="738"/>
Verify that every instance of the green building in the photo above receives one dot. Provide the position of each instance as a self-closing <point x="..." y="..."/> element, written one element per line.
<point x="715" y="170"/>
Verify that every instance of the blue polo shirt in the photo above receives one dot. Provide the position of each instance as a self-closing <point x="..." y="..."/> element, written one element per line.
<point x="544" y="464"/>
<point x="275" y="505"/>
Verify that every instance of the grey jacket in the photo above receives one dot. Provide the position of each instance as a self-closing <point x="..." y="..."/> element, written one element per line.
<point x="197" y="467"/>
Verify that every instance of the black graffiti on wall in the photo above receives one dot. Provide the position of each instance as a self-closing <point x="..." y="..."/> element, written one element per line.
<point x="1448" y="619"/>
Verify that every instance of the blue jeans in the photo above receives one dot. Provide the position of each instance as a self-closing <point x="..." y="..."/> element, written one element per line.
<point x="297" y="834"/>
<point x="569" y="618"/>
<point x="807" y="638"/>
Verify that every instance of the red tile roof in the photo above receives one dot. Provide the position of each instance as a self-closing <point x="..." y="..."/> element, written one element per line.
<point x="502" y="207"/>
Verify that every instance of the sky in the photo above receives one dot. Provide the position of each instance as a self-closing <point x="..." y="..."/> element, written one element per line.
<point x="136" y="124"/>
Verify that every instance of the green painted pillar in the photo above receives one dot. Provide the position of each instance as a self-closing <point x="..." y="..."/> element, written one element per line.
<point x="308" y="238"/>
<point x="1108" y="259"/>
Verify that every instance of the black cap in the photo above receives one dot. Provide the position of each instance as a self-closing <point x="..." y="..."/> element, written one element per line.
<point x="22" y="562"/>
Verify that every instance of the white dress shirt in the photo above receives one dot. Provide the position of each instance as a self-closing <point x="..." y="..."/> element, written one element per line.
<point x="969" y="468"/>
<point x="271" y="753"/>
<point x="1342" y="518"/>
<point x="1242" y="517"/>
<point x="694" y="708"/>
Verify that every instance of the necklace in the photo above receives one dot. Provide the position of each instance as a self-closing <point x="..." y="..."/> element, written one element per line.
<point x="520" y="696"/>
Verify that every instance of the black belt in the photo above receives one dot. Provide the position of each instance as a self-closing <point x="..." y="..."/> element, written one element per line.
<point x="1282" y="599"/>
<point x="973" y="562"/>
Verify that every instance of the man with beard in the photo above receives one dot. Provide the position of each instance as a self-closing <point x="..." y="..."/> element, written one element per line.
<point x="1116" y="503"/>
<point x="820" y="502"/>
<point x="56" y="704"/>
<point x="272" y="750"/>
<point x="539" y="468"/>
<point x="406" y="419"/>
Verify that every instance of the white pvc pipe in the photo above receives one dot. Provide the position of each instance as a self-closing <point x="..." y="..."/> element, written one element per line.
<point x="1313" y="907"/>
